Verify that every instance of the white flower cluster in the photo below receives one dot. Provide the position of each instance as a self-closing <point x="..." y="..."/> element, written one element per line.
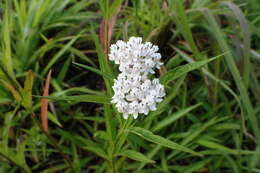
<point x="134" y="92"/>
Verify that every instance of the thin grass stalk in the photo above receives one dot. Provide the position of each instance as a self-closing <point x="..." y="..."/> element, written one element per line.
<point x="238" y="80"/>
<point x="246" y="33"/>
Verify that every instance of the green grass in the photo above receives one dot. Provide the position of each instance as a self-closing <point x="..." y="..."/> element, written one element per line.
<point x="207" y="122"/>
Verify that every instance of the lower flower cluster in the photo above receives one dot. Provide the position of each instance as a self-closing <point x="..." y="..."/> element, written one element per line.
<point x="134" y="92"/>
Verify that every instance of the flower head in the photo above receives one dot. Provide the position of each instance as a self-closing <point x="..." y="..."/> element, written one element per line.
<point x="134" y="92"/>
<point x="135" y="57"/>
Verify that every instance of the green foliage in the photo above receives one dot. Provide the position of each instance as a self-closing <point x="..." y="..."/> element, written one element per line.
<point x="207" y="122"/>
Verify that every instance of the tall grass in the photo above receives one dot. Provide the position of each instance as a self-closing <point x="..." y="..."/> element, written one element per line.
<point x="64" y="122"/>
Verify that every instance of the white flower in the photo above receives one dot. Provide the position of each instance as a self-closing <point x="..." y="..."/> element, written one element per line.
<point x="134" y="92"/>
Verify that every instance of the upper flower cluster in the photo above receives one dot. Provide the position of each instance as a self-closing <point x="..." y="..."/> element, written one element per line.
<point x="135" y="93"/>
<point x="135" y="57"/>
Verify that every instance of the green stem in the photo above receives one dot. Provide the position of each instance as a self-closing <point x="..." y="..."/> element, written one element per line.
<point x="112" y="166"/>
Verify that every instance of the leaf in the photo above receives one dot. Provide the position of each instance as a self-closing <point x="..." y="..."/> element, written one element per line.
<point x="14" y="158"/>
<point x="93" y="147"/>
<point x="54" y="119"/>
<point x="149" y="136"/>
<point x="150" y="155"/>
<point x="14" y="92"/>
<point x="184" y="27"/>
<point x="27" y="91"/>
<point x="5" y="132"/>
<point x="114" y="7"/>
<point x="17" y="158"/>
<point x="226" y="126"/>
<point x="195" y="133"/>
<point x="216" y="146"/>
<point x="233" y="163"/>
<point x="61" y="52"/>
<point x="106" y="75"/>
<point x="102" y="135"/>
<point x="6" y="30"/>
<point x="182" y="70"/>
<point x="110" y="122"/>
<point x="246" y="35"/>
<point x="195" y="167"/>
<point x="170" y="119"/>
<point x="76" y="159"/>
<point x="20" y="156"/>
<point x="136" y="156"/>
<point x="64" y="69"/>
<point x="242" y="88"/>
<point x="81" y="98"/>
<point x="103" y="63"/>
<point x="44" y="103"/>
<point x="76" y="90"/>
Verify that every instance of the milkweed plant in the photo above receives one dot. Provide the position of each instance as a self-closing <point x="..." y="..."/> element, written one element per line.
<point x="137" y="92"/>
<point x="138" y="120"/>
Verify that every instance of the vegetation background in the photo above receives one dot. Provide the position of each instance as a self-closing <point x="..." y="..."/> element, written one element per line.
<point x="63" y="121"/>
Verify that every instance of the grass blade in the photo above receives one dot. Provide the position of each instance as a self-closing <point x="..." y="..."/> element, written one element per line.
<point x="237" y="77"/>
<point x="246" y="35"/>
<point x="183" y="25"/>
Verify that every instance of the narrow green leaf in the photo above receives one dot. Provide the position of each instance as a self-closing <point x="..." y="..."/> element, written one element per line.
<point x="6" y="30"/>
<point x="14" y="92"/>
<point x="193" y="134"/>
<point x="103" y="63"/>
<point x="149" y="136"/>
<point x="106" y="75"/>
<point x="232" y="163"/>
<point x="216" y="146"/>
<point x="136" y="156"/>
<point x="76" y="159"/>
<point x="93" y="147"/>
<point x="182" y="70"/>
<point x="245" y="99"/>
<point x="81" y="98"/>
<point x="246" y="35"/>
<point x="76" y="90"/>
<point x="227" y="126"/>
<point x="197" y="166"/>
<point x="7" y="125"/>
<point x="150" y="155"/>
<point x="184" y="27"/>
<point x="60" y="53"/>
<point x="110" y="122"/>
<point x="170" y="119"/>
<point x="53" y="119"/>
<point x="27" y="91"/>
<point x="64" y="69"/>
<point x="114" y="7"/>
<point x="102" y="135"/>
